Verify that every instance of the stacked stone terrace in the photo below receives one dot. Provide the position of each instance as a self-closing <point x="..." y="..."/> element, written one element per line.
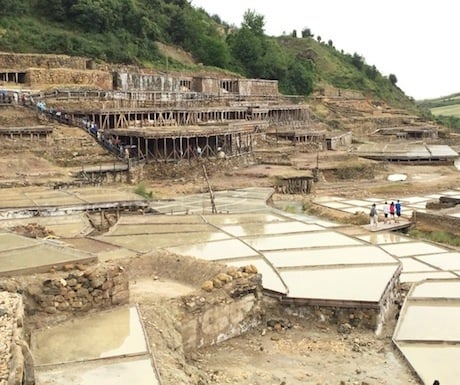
<point x="16" y="366"/>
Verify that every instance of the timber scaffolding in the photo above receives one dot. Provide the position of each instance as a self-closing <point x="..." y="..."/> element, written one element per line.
<point x="31" y="132"/>
<point x="124" y="118"/>
<point x="171" y="134"/>
<point x="116" y="99"/>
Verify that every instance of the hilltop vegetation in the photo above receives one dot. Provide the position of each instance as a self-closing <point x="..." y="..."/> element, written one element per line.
<point x="445" y="110"/>
<point x="127" y="31"/>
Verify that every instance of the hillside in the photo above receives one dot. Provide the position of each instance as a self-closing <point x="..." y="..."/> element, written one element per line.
<point x="173" y="35"/>
<point x="445" y="110"/>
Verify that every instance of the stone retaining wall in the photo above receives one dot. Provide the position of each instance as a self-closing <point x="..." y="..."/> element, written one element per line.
<point x="40" y="76"/>
<point x="228" y="306"/>
<point x="74" y="289"/>
<point x="129" y="81"/>
<point x="361" y="316"/>
<point x="16" y="364"/>
<point x="437" y="220"/>
<point x="78" y="290"/>
<point x="257" y="87"/>
<point x="333" y="92"/>
<point x="21" y="61"/>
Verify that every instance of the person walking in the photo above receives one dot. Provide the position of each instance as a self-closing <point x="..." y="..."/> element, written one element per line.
<point x="374" y="215"/>
<point x="398" y="210"/>
<point x="392" y="211"/>
<point x="386" y="211"/>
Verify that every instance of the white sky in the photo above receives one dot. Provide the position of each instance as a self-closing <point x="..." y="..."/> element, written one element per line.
<point x="416" y="40"/>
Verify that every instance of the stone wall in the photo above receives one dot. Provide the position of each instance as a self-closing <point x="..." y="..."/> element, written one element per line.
<point x="257" y="87"/>
<point x="227" y="306"/>
<point x="74" y="289"/>
<point x="16" y="364"/>
<point x="77" y="290"/>
<point x="437" y="220"/>
<point x="332" y="92"/>
<point x="22" y="61"/>
<point x="129" y="81"/>
<point x="40" y="76"/>
<point x="348" y="317"/>
<point x="176" y="83"/>
<point x="206" y="85"/>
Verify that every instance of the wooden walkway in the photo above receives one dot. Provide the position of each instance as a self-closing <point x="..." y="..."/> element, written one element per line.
<point x="401" y="224"/>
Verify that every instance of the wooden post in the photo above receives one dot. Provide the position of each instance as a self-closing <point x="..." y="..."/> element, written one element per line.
<point x="211" y="194"/>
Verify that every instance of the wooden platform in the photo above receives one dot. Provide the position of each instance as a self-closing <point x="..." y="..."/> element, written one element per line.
<point x="402" y="224"/>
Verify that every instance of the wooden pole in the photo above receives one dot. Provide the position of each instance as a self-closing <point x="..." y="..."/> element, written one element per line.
<point x="211" y="194"/>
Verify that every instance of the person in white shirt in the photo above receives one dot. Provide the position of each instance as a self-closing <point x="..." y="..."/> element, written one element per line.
<point x="386" y="211"/>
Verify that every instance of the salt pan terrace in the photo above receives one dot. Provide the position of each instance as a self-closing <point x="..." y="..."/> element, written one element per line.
<point x="409" y="204"/>
<point x="427" y="333"/>
<point x="19" y="255"/>
<point x="300" y="257"/>
<point x="37" y="201"/>
<point x="108" y="348"/>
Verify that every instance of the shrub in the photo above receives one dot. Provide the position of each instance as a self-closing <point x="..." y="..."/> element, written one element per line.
<point x="141" y="190"/>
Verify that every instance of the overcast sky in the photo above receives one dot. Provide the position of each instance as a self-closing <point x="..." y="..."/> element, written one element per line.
<point x="416" y="40"/>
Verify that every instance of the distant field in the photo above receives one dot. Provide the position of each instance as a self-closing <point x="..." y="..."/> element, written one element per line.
<point x="452" y="110"/>
<point x="446" y="99"/>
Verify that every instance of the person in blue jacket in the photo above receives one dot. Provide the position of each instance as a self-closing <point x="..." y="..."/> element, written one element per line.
<point x="398" y="210"/>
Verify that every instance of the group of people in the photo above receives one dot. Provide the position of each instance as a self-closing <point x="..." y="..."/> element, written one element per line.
<point x="391" y="212"/>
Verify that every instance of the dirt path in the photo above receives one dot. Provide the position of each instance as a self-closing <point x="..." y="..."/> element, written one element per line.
<point x="307" y="353"/>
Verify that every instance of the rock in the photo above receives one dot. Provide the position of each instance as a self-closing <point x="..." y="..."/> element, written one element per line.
<point x="9" y="286"/>
<point x="356" y="348"/>
<point x="224" y="278"/>
<point x="97" y="281"/>
<point x="251" y="269"/>
<point x="121" y="297"/>
<point x="344" y="328"/>
<point x="207" y="286"/>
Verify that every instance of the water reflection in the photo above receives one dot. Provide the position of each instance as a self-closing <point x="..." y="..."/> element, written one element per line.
<point x="137" y="372"/>
<point x="213" y="251"/>
<point x="107" y="334"/>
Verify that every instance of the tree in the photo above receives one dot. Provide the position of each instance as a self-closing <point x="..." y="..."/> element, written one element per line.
<point x="357" y="61"/>
<point x="306" y="32"/>
<point x="273" y="63"/>
<point x="12" y="7"/>
<point x="246" y="48"/>
<point x="213" y="52"/>
<point x="97" y="15"/>
<point x="299" y="78"/>
<point x="254" y="22"/>
<point x="248" y="45"/>
<point x="54" y="9"/>
<point x="371" y="72"/>
<point x="393" y="79"/>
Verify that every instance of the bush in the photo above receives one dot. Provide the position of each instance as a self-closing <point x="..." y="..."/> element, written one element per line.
<point x="141" y="190"/>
